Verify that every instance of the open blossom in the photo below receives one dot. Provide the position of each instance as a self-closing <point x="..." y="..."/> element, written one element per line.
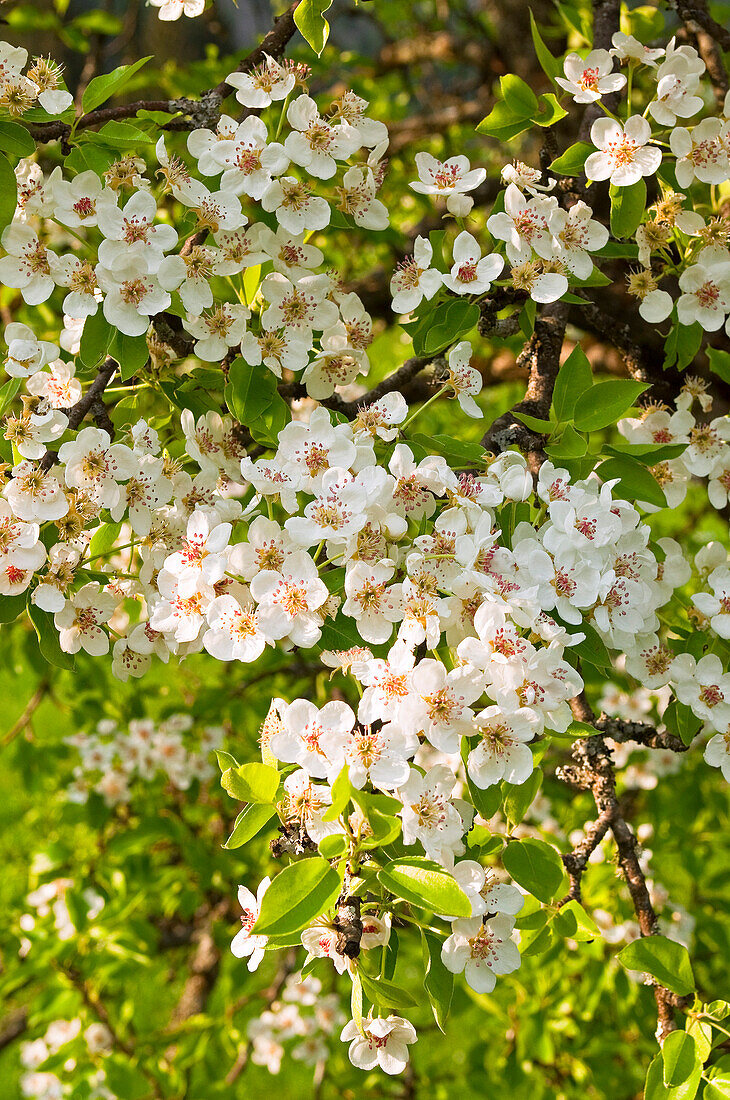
<point x="482" y="950"/>
<point x="245" y="945"/>
<point x="96" y="465"/>
<point x="170" y="10"/>
<point x="522" y="224"/>
<point x="472" y="273"/>
<point x="588" y="78"/>
<point x="307" y="735"/>
<point x="502" y="752"/>
<point x="415" y="279"/>
<point x="451" y="179"/>
<point x="80" y="622"/>
<point x="384" y="1043"/>
<point x="262" y="85"/>
<point x="623" y="155"/>
<point x="202" y="560"/>
<point x="289" y="599"/>
<point x="29" y="265"/>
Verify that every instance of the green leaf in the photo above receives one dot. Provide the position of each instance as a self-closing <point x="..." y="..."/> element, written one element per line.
<point x="627" y="208"/>
<point x="605" y="402"/>
<point x="312" y="24"/>
<point x="251" y="782"/>
<point x="103" y="539"/>
<point x="341" y="795"/>
<point x="249" y="822"/>
<point x="719" y="363"/>
<point x="339" y="633"/>
<point x="385" y="994"/>
<point x="8" y="192"/>
<point x="592" y="648"/>
<point x="333" y="845"/>
<point x="131" y="352"/>
<point x="519" y="797"/>
<point x="251" y="395"/>
<point x="542" y="427"/>
<point x="95" y="340"/>
<point x="681" y="721"/>
<point x="8" y="393"/>
<point x="104" y="87"/>
<point x="48" y="642"/>
<point x="535" y="865"/>
<point x="550" y="111"/>
<point x="11" y="607"/>
<point x="573" y="159"/>
<point x="225" y="760"/>
<point x="647" y="453"/>
<point x="574" y="378"/>
<point x="678" y="1057"/>
<point x="438" y="982"/>
<point x="502" y="123"/>
<point x="575" y="729"/>
<point x="664" y="959"/>
<point x="426" y="884"/>
<point x="549" y="64"/>
<point x="574" y="923"/>
<point x="655" y="1089"/>
<point x="571" y="444"/>
<point x="442" y="326"/>
<point x="459" y="452"/>
<point x="118" y="135"/>
<point x="518" y="96"/>
<point x="635" y="481"/>
<point x="16" y="140"/>
<point x="297" y="895"/>
<point x="718" y="1080"/>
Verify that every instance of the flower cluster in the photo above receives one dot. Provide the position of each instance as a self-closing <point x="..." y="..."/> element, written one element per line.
<point x="91" y="1046"/>
<point x="452" y="594"/>
<point x="112" y="758"/>
<point x="305" y="1015"/>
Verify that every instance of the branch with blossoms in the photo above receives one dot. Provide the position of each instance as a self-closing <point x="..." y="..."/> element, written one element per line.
<point x="243" y="490"/>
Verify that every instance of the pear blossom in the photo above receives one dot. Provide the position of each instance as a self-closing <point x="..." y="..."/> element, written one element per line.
<point x="588" y="78"/>
<point x="623" y="155"/>
<point x="502" y="752"/>
<point x="262" y="85"/>
<point x="244" y="944"/>
<point x="482" y="950"/>
<point x="385" y="1043"/>
<point x="80" y="622"/>
<point x="295" y="205"/>
<point x="451" y="179"/>
<point x="471" y="273"/>
<point x="415" y="279"/>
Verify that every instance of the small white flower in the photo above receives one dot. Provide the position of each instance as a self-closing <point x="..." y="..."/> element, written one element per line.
<point x="244" y="944"/>
<point x="623" y="155"/>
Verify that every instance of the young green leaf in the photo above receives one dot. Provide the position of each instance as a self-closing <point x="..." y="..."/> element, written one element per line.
<point x="627" y="208"/>
<point x="104" y="87"/>
<point x="679" y="1057"/>
<point x="664" y="959"/>
<point x="438" y="982"/>
<point x="605" y="402"/>
<point x="249" y="822"/>
<point x="312" y="25"/>
<point x="8" y="192"/>
<point x="426" y="884"/>
<point x="297" y="895"/>
<point x="252" y="782"/>
<point x="574" y="378"/>
<point x="536" y="865"/>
